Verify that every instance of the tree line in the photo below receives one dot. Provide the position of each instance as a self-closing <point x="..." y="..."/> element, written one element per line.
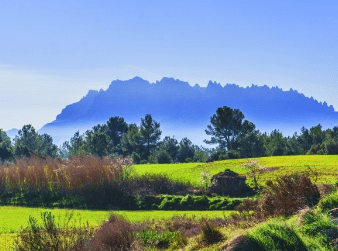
<point x="232" y="135"/>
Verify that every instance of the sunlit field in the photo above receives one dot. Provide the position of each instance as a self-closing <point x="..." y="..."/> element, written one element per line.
<point x="13" y="218"/>
<point x="326" y="167"/>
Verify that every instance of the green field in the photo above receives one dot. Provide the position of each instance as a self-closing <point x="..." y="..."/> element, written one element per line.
<point x="325" y="165"/>
<point x="12" y="218"/>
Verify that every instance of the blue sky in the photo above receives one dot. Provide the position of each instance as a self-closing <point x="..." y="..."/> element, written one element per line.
<point x="53" y="52"/>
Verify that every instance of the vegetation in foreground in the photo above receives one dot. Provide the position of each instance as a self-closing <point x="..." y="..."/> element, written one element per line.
<point x="265" y="213"/>
<point x="262" y="225"/>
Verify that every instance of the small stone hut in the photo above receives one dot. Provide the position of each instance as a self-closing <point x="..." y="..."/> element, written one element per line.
<point x="228" y="183"/>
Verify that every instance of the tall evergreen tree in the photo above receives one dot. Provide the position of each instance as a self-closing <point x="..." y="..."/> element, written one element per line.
<point x="170" y="145"/>
<point x="116" y="127"/>
<point x="28" y="141"/>
<point x="150" y="135"/>
<point x="6" y="151"/>
<point x="131" y="141"/>
<point x="226" y="125"/>
<point x="186" y="151"/>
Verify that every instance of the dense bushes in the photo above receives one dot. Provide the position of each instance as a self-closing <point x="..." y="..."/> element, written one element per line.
<point x="284" y="197"/>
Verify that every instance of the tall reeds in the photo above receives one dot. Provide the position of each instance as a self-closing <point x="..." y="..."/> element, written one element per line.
<point x="44" y="173"/>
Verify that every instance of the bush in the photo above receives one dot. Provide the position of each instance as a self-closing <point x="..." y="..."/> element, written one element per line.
<point x="143" y="162"/>
<point x="284" y="197"/>
<point x="210" y="235"/>
<point x="287" y="195"/>
<point x="163" y="157"/>
<point x="136" y="158"/>
<point x="116" y="234"/>
<point x="51" y="236"/>
<point x="152" y="159"/>
<point x="158" y="239"/>
<point x="231" y="154"/>
<point x="329" y="202"/>
<point x="276" y="235"/>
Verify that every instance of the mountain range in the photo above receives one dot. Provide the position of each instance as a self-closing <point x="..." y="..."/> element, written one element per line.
<point x="184" y="110"/>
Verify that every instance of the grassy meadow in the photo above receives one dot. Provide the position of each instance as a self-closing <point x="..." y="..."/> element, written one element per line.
<point x="13" y="218"/>
<point x="325" y="165"/>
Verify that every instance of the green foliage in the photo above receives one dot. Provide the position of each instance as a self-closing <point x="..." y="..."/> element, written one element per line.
<point x="152" y="159"/>
<point x="231" y="154"/>
<point x="155" y="239"/>
<point x="329" y="202"/>
<point x="163" y="157"/>
<point x="277" y="235"/>
<point x="315" y="222"/>
<point x="131" y="140"/>
<point x="169" y="145"/>
<point x="76" y="146"/>
<point x="275" y="144"/>
<point x="50" y="235"/>
<point x="226" y="125"/>
<point x="29" y="142"/>
<point x="210" y="234"/>
<point x="6" y="151"/>
<point x="186" y="150"/>
<point x="250" y="142"/>
<point x="200" y="156"/>
<point x="205" y="179"/>
<point x="98" y="143"/>
<point x="150" y="135"/>
<point x="255" y="170"/>
<point x="116" y="126"/>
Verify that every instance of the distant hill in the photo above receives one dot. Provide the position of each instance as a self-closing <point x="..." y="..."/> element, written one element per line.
<point x="185" y="110"/>
<point x="12" y="133"/>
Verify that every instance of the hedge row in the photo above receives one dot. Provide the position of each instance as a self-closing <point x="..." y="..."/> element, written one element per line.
<point x="111" y="202"/>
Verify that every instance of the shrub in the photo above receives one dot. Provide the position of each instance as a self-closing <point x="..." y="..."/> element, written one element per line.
<point x="210" y="234"/>
<point x="287" y="195"/>
<point x="329" y="202"/>
<point x="143" y="162"/>
<point x="205" y="179"/>
<point x="163" y="157"/>
<point x="231" y="154"/>
<point x="186" y="226"/>
<point x="313" y="223"/>
<point x="255" y="170"/>
<point x="116" y="234"/>
<point x="276" y="235"/>
<point x="284" y="197"/>
<point x="51" y="236"/>
<point x="158" y="239"/>
<point x="136" y="158"/>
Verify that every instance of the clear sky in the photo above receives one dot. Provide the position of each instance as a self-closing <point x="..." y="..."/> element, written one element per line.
<point x="53" y="52"/>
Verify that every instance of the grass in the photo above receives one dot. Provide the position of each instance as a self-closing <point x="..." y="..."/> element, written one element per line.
<point x="325" y="165"/>
<point x="12" y="218"/>
<point x="273" y="235"/>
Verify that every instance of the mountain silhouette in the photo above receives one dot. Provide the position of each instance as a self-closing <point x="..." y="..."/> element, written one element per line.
<point x="185" y="110"/>
<point x="12" y="133"/>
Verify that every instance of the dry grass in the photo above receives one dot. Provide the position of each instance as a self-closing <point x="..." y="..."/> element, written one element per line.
<point x="116" y="234"/>
<point x="44" y="173"/>
<point x="284" y="197"/>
